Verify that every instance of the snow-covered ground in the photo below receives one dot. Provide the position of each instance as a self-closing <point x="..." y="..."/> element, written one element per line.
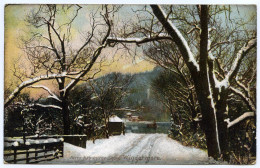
<point x="133" y="149"/>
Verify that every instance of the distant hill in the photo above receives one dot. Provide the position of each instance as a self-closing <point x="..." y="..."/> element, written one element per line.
<point x="141" y="97"/>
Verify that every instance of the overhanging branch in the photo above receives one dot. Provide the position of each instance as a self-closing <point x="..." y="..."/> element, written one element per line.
<point x="137" y="40"/>
<point x="246" y="99"/>
<point x="240" y="118"/>
<point x="46" y="106"/>
<point x="178" y="39"/>
<point x="29" y="83"/>
<point x="52" y="95"/>
<point x="240" y="55"/>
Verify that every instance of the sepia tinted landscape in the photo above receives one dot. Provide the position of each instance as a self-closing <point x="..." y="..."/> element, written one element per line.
<point x="130" y="84"/>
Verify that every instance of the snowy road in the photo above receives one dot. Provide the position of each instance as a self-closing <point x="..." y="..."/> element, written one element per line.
<point x="133" y="149"/>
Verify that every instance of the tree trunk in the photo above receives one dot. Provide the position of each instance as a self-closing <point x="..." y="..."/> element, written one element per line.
<point x="193" y="110"/>
<point x="204" y="91"/>
<point x="66" y="118"/>
<point x="106" y="123"/>
<point x="209" y="125"/>
<point x="222" y="125"/>
<point x="65" y="107"/>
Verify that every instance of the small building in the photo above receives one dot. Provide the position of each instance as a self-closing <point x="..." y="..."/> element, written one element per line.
<point x="129" y="115"/>
<point x="115" y="125"/>
<point x="140" y="118"/>
<point x="135" y="118"/>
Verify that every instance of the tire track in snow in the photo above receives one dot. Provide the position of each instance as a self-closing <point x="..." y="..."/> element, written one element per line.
<point x="143" y="147"/>
<point x="152" y="146"/>
<point x="134" y="143"/>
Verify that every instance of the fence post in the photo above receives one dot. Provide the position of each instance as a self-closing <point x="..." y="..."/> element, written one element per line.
<point x="61" y="148"/>
<point x="27" y="156"/>
<point x="36" y="154"/>
<point x="15" y="155"/>
<point x="44" y="147"/>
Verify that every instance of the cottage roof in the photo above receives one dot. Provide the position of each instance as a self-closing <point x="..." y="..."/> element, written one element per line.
<point x="114" y="118"/>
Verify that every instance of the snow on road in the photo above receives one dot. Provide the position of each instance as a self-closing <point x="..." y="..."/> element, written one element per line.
<point x="133" y="149"/>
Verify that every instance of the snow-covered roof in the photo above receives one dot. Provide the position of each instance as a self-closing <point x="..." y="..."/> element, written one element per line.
<point x="114" y="118"/>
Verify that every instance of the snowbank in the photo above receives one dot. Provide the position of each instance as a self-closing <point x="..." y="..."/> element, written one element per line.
<point x="133" y="149"/>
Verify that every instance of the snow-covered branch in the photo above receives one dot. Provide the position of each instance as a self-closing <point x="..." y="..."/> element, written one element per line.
<point x="246" y="99"/>
<point x="235" y="66"/>
<point x="239" y="119"/>
<point x="209" y="45"/>
<point x="220" y="84"/>
<point x="29" y="83"/>
<point x="138" y="40"/>
<point x="177" y="38"/>
<point x="240" y="55"/>
<point x="39" y="105"/>
<point x="52" y="95"/>
<point x="244" y="88"/>
<point x="47" y="106"/>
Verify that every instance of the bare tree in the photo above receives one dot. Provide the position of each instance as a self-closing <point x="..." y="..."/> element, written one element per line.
<point x="166" y="56"/>
<point x="109" y="91"/>
<point x="53" y="56"/>
<point x="213" y="46"/>
<point x="171" y="90"/>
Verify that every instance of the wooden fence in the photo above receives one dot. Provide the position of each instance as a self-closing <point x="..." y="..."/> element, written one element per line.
<point x="33" y="149"/>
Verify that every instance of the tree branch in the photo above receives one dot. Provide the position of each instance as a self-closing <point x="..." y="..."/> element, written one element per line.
<point x="28" y="83"/>
<point x="236" y="64"/>
<point x="239" y="119"/>
<point x="96" y="54"/>
<point x="83" y="46"/>
<point x="246" y="99"/>
<point x="177" y="38"/>
<point x="48" y="90"/>
<point x="240" y="55"/>
<point x="137" y="40"/>
<point x="47" y="106"/>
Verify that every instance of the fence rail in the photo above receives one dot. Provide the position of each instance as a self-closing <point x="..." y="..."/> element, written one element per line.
<point x="34" y="150"/>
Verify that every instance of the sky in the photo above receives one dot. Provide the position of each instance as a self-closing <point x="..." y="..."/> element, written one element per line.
<point x="15" y="26"/>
